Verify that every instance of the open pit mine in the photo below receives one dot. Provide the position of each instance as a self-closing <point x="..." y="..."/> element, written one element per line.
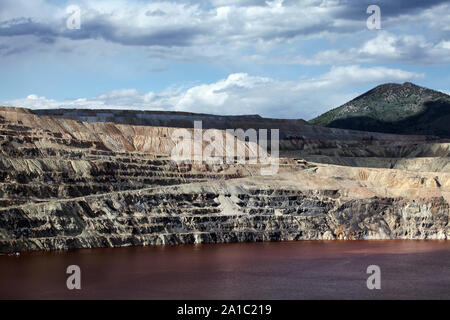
<point x="105" y="178"/>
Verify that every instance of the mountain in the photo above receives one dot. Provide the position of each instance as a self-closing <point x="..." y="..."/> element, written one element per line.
<point x="393" y="108"/>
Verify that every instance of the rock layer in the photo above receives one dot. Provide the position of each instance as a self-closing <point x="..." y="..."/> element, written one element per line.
<point x="67" y="183"/>
<point x="218" y="213"/>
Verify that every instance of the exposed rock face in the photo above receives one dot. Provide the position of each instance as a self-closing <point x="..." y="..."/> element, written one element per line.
<point x="213" y="214"/>
<point x="66" y="184"/>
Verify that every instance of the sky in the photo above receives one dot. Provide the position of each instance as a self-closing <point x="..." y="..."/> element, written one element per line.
<point x="281" y="59"/>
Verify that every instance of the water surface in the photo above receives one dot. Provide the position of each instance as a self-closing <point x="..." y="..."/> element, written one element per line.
<point x="278" y="270"/>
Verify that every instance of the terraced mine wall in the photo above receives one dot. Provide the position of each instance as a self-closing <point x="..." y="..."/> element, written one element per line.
<point x="65" y="183"/>
<point x="150" y="132"/>
<point x="217" y="214"/>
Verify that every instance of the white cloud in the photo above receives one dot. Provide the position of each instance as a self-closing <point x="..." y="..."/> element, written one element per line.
<point x="385" y="47"/>
<point x="241" y="93"/>
<point x="169" y="23"/>
<point x="187" y="30"/>
<point x="188" y="23"/>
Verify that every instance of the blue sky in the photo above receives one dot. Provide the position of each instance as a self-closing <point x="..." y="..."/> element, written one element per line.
<point x="286" y="59"/>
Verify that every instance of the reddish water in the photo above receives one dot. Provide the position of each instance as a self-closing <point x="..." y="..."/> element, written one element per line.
<point x="284" y="270"/>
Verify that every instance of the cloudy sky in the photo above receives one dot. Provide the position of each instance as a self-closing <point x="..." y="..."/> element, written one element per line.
<point x="285" y="59"/>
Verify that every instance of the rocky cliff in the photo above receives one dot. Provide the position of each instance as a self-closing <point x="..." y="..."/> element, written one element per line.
<point x="240" y="210"/>
<point x="68" y="182"/>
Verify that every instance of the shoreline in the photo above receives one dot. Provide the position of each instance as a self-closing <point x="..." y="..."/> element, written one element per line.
<point x="212" y="245"/>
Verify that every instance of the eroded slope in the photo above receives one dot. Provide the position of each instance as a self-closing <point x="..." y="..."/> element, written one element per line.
<point x="66" y="183"/>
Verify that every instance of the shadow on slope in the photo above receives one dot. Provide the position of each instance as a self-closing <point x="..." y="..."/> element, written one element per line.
<point x="434" y="120"/>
